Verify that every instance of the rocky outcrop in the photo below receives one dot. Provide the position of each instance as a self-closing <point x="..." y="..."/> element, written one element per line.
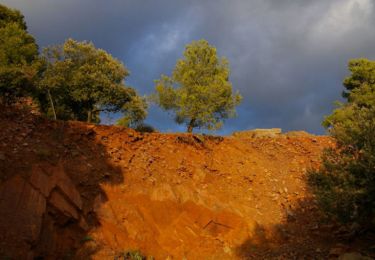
<point x="73" y="190"/>
<point x="297" y="134"/>
<point x="256" y="133"/>
<point x="27" y="206"/>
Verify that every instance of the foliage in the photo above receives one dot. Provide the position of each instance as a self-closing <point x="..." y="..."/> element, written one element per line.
<point x="18" y="56"/>
<point x="362" y="73"/>
<point x="71" y="81"/>
<point x="87" y="238"/>
<point x="135" y="111"/>
<point x="345" y="184"/>
<point x="8" y="15"/>
<point x="80" y="81"/>
<point x="133" y="255"/>
<point x="199" y="92"/>
<point x="145" y="128"/>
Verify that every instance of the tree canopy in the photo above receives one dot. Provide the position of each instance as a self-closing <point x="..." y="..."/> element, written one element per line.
<point x="199" y="91"/>
<point x="346" y="182"/>
<point x="80" y="81"/>
<point x="8" y="15"/>
<point x="18" y="53"/>
<point x="362" y="73"/>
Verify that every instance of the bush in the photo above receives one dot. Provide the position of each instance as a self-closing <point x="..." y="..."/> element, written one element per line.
<point x="145" y="128"/>
<point x="132" y="255"/>
<point x="345" y="184"/>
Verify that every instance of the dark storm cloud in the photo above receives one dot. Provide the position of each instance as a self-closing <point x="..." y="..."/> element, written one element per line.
<point x="287" y="57"/>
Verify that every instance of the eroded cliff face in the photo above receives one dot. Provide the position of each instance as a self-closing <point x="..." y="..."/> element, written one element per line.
<point x="83" y="191"/>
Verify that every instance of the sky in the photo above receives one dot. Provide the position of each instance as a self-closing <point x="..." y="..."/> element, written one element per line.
<point x="288" y="58"/>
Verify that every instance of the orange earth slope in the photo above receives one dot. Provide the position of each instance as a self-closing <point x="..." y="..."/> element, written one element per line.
<point x="74" y="190"/>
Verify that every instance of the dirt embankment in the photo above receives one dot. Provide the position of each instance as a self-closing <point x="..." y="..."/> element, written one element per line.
<point x="70" y="189"/>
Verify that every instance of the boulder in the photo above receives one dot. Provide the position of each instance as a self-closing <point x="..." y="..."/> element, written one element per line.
<point x="297" y="134"/>
<point x="256" y="133"/>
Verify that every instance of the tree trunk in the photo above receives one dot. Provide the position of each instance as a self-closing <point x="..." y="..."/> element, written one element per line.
<point x="191" y="125"/>
<point x="52" y="105"/>
<point x="89" y="116"/>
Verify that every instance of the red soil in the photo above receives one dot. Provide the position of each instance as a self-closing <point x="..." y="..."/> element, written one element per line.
<point x="71" y="189"/>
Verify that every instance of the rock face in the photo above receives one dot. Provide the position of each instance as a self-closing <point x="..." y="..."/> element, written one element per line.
<point x="93" y="192"/>
<point x="22" y="208"/>
<point x="26" y="205"/>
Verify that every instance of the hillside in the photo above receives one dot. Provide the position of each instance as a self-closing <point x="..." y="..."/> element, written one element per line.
<point x="75" y="190"/>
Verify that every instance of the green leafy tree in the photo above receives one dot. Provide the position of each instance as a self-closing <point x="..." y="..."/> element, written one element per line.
<point x="199" y="91"/>
<point x="80" y="81"/>
<point x="346" y="182"/>
<point x="362" y="73"/>
<point x="18" y="56"/>
<point x="8" y="15"/>
<point x="135" y="111"/>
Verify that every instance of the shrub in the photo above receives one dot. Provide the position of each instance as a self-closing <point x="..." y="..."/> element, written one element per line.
<point x="345" y="184"/>
<point x="132" y="255"/>
<point x="145" y="128"/>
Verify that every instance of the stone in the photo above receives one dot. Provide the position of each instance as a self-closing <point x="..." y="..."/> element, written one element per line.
<point x="256" y="133"/>
<point x="83" y="224"/>
<point x="354" y="256"/>
<point x="61" y="204"/>
<point x="227" y="249"/>
<point x="336" y="251"/>
<point x="163" y="192"/>
<point x="67" y="186"/>
<point x="45" y="184"/>
<point x="199" y="175"/>
<point x="41" y="181"/>
<point x="297" y="134"/>
<point x="290" y="215"/>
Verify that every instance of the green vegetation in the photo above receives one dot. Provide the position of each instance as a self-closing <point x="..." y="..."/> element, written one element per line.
<point x="199" y="91"/>
<point x="345" y="184"/>
<point x="145" y="128"/>
<point x="132" y="255"/>
<point x="74" y="80"/>
<point x="18" y="56"/>
<point x="86" y="238"/>
<point x="8" y="16"/>
<point x="80" y="81"/>
<point x="135" y="111"/>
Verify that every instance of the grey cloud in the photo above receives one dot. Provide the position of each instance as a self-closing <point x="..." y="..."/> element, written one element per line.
<point x="288" y="57"/>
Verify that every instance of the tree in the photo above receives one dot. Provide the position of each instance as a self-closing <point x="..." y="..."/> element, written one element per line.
<point x="345" y="183"/>
<point x="8" y="15"/>
<point x="135" y="112"/>
<point x="18" y="56"/>
<point x="80" y="81"/>
<point x="362" y="72"/>
<point x="199" y="92"/>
